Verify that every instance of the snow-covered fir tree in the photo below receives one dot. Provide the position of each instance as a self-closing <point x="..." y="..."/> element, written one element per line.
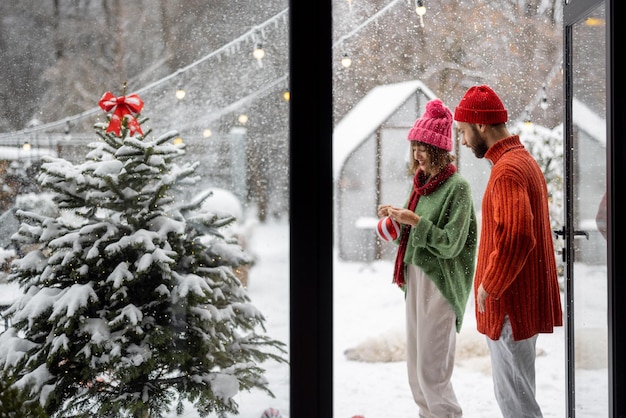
<point x="130" y="303"/>
<point x="13" y="401"/>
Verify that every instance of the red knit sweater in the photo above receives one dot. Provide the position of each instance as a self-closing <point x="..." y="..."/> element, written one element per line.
<point x="516" y="263"/>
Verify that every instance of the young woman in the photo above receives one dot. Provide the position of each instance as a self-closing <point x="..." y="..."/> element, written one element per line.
<point x="435" y="261"/>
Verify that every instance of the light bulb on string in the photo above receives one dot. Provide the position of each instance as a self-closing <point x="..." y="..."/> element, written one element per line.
<point x="26" y="146"/>
<point x="420" y="10"/>
<point x="180" y="93"/>
<point x="243" y="118"/>
<point x="259" y="53"/>
<point x="206" y="133"/>
<point x="287" y="95"/>
<point x="345" y="60"/>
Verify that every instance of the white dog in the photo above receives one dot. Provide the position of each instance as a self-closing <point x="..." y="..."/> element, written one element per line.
<point x="390" y="346"/>
<point x="387" y="347"/>
<point x="472" y="351"/>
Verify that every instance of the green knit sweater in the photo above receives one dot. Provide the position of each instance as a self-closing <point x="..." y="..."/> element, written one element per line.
<point x="443" y="243"/>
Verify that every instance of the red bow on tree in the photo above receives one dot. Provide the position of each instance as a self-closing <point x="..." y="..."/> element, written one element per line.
<point x="123" y="106"/>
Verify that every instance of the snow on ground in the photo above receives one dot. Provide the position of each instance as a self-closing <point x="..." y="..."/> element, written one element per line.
<point x="368" y="309"/>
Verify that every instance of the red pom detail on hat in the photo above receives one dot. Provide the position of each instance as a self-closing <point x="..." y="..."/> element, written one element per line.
<point x="481" y="104"/>
<point x="388" y="229"/>
<point x="271" y="413"/>
<point x="434" y="127"/>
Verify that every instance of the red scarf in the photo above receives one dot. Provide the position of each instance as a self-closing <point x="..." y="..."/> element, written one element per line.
<point x="421" y="186"/>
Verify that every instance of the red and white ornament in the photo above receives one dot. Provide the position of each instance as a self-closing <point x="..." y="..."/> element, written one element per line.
<point x="271" y="413"/>
<point x="388" y="229"/>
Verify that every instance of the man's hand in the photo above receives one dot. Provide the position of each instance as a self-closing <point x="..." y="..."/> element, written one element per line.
<point x="481" y="297"/>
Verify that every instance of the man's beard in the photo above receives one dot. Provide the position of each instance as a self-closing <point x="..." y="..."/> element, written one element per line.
<point x="480" y="144"/>
<point x="480" y="149"/>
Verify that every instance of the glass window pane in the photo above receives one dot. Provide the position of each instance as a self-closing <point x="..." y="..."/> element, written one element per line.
<point x="206" y="82"/>
<point x="590" y="298"/>
<point x="388" y="61"/>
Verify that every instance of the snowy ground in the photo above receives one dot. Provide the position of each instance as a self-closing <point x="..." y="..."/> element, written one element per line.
<point x="369" y="309"/>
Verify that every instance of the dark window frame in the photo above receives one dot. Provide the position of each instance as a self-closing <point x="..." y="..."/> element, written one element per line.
<point x="311" y="220"/>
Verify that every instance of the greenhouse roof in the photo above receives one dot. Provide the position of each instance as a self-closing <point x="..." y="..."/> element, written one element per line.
<point x="368" y="115"/>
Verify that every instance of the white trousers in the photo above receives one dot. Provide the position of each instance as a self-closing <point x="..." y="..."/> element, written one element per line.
<point x="431" y="344"/>
<point x="513" y="372"/>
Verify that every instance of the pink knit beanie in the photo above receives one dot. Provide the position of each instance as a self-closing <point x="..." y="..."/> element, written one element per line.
<point x="480" y="105"/>
<point x="434" y="127"/>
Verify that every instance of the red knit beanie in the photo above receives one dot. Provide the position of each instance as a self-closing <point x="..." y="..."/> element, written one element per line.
<point x="434" y="127"/>
<point x="480" y="105"/>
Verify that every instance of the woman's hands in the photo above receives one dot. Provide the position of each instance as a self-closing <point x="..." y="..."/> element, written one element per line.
<point x="383" y="210"/>
<point x="400" y="215"/>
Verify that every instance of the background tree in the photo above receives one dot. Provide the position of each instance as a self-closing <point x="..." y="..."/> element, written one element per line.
<point x="130" y="301"/>
<point x="511" y="45"/>
<point x="57" y="49"/>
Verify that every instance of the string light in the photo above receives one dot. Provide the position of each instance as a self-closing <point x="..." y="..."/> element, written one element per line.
<point x="420" y="10"/>
<point x="287" y="95"/>
<point x="180" y="93"/>
<point x="345" y="60"/>
<point x="259" y="53"/>
<point x="26" y="146"/>
<point x="207" y="133"/>
<point x="282" y="16"/>
<point x="243" y="118"/>
<point x="225" y="49"/>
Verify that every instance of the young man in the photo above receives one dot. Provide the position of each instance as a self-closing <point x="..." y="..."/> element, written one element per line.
<point x="515" y="286"/>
